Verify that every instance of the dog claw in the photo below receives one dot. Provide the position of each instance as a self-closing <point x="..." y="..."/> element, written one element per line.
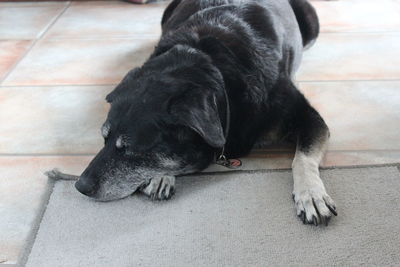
<point x="164" y="194"/>
<point x="315" y="221"/>
<point x="327" y="219"/>
<point x="303" y="217"/>
<point x="332" y="209"/>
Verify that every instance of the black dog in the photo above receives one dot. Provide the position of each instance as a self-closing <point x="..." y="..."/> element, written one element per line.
<point x="219" y="78"/>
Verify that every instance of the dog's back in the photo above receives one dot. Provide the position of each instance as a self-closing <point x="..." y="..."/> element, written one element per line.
<point x="180" y="10"/>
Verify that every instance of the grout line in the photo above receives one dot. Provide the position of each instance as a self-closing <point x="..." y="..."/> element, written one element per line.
<point x="34" y="41"/>
<point x="57" y="18"/>
<point x="150" y="37"/>
<point x="14" y="66"/>
<point x="58" y="85"/>
<point x="115" y="84"/>
<point x="46" y="3"/>
<point x="255" y="153"/>
<point x="359" y="32"/>
<point x="364" y="150"/>
<point x="340" y="81"/>
<point x="262" y="151"/>
<point x="46" y="155"/>
<point x="47" y="28"/>
<point x="101" y="3"/>
<point x="144" y="36"/>
<point x="290" y="169"/>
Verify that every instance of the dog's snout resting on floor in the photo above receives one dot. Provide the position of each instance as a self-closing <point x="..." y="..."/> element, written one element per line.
<point x="220" y="77"/>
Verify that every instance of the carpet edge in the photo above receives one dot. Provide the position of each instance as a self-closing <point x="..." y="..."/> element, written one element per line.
<point x="30" y="240"/>
<point x="289" y="169"/>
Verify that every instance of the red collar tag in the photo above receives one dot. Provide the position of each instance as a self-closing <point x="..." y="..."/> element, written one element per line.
<point x="235" y="163"/>
<point x="229" y="163"/>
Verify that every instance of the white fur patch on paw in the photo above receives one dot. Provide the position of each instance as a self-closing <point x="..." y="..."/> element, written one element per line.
<point x="160" y="188"/>
<point x="314" y="205"/>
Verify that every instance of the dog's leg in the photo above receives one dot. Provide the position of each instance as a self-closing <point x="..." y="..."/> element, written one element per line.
<point x="313" y="204"/>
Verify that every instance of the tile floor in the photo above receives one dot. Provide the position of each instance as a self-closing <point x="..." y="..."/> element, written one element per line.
<point x="59" y="59"/>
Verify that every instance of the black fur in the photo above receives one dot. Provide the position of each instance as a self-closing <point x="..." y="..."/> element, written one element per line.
<point x="175" y="105"/>
<point x="307" y="18"/>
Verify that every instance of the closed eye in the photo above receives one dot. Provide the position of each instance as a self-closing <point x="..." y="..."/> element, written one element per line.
<point x="105" y="140"/>
<point x="122" y="141"/>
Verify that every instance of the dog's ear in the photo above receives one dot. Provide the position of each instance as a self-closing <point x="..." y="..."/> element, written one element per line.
<point x="126" y="83"/>
<point x="199" y="111"/>
<point x="111" y="96"/>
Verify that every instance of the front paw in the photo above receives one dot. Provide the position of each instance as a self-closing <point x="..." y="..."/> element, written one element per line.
<point x="160" y="188"/>
<point x="314" y="206"/>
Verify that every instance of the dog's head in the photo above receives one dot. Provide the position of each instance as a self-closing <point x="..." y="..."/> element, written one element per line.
<point x="163" y="120"/>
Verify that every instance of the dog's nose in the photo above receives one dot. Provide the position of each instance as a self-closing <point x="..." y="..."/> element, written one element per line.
<point x="86" y="187"/>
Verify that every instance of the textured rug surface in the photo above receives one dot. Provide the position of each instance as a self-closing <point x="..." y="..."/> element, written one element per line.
<point x="235" y="219"/>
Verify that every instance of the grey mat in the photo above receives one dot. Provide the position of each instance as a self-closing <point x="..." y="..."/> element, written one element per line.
<point x="236" y="219"/>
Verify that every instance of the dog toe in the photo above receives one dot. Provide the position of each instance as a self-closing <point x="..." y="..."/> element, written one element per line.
<point x="160" y="188"/>
<point x="165" y="189"/>
<point x="314" y="208"/>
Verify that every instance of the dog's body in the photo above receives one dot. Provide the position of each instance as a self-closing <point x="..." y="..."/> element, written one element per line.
<point x="254" y="45"/>
<point x="217" y="60"/>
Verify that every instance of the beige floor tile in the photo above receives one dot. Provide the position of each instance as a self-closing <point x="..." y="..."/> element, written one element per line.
<point x="350" y="56"/>
<point x="22" y="185"/>
<point x="26" y="22"/>
<point x="66" y="62"/>
<point x="116" y="19"/>
<point x="52" y="120"/>
<point x="358" y="15"/>
<point x="361" y="115"/>
<point x="10" y="52"/>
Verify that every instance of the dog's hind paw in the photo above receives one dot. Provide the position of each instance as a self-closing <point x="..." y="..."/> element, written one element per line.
<point x="314" y="206"/>
<point x="160" y="188"/>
